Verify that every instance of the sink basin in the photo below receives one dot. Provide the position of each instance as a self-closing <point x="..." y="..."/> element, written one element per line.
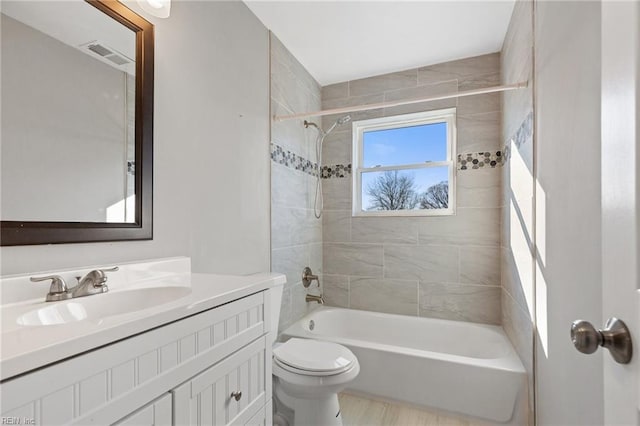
<point x="100" y="306"/>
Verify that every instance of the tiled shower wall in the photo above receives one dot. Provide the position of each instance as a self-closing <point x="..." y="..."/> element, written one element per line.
<point x="517" y="193"/>
<point x="441" y="267"/>
<point x="296" y="235"/>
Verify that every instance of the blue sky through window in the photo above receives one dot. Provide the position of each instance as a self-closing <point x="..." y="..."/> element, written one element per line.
<point x="405" y="145"/>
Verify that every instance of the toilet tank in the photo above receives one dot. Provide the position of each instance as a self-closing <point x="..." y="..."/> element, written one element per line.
<point x="275" y="293"/>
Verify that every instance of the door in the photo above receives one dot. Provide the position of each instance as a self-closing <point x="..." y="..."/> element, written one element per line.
<point x="621" y="200"/>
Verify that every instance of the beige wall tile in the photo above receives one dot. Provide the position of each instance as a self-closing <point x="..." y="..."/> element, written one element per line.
<point x="315" y="257"/>
<point x="472" y="226"/>
<point x="460" y="302"/>
<point x="337" y="193"/>
<point x="328" y="120"/>
<point x="299" y="305"/>
<point x="290" y="261"/>
<point x="459" y="69"/>
<point x="285" y="310"/>
<point x="279" y="53"/>
<point x="336" y="147"/>
<point x="291" y="226"/>
<point x="336" y="226"/>
<point x="512" y="278"/>
<point x="479" y="103"/>
<point x="425" y="263"/>
<point x="335" y="91"/>
<point x="396" y="230"/>
<point x="382" y="295"/>
<point x="290" y="188"/>
<point x="480" y="265"/>
<point x="435" y="89"/>
<point x="383" y="83"/>
<point x="479" y="132"/>
<point x="479" y="188"/>
<point x="335" y="289"/>
<point x="296" y="235"/>
<point x="408" y="251"/>
<point x="353" y="259"/>
<point x="476" y="65"/>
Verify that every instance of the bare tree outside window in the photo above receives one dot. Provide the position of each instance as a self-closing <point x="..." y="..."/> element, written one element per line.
<point x="396" y="191"/>
<point x="436" y="197"/>
<point x="393" y="191"/>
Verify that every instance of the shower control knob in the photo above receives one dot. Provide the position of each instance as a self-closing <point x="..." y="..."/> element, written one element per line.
<point x="615" y="336"/>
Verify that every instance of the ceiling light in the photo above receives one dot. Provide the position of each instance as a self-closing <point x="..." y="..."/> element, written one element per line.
<point x="159" y="8"/>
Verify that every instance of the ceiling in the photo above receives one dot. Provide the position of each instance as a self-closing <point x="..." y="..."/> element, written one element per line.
<point x="345" y="40"/>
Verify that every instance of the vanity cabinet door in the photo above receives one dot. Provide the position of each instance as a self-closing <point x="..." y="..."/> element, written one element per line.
<point x="264" y="417"/>
<point x="229" y="393"/>
<point x="156" y="413"/>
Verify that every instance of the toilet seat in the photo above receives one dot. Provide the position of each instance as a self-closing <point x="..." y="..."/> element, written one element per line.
<point x="313" y="357"/>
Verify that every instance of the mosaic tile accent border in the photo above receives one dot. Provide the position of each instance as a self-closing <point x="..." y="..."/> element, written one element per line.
<point x="480" y="160"/>
<point x="468" y="161"/>
<point x="292" y="160"/>
<point x="522" y="135"/>
<point x="336" y="171"/>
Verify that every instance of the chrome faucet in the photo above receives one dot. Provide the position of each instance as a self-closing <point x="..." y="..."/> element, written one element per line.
<point x="313" y="298"/>
<point x="92" y="283"/>
<point x="57" y="291"/>
<point x="308" y="277"/>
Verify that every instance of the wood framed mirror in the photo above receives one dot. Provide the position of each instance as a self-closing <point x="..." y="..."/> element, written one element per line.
<point x="77" y="138"/>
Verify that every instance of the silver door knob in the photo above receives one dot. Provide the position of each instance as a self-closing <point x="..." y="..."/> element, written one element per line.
<point x="236" y="395"/>
<point x="615" y="336"/>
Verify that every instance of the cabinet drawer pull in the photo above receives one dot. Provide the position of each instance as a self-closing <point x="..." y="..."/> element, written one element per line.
<point x="236" y="395"/>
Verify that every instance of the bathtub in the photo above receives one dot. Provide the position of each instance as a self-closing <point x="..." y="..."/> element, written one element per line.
<point x="461" y="367"/>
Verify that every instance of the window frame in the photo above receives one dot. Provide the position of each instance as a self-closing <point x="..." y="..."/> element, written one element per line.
<point x="447" y="116"/>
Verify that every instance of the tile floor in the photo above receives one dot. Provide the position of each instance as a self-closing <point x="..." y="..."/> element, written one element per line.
<point x="361" y="411"/>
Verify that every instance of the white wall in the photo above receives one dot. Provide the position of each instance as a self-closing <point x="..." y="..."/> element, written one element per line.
<point x="568" y="230"/>
<point x="211" y="149"/>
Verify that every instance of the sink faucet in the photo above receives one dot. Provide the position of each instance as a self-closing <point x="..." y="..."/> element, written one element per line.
<point x="92" y="283"/>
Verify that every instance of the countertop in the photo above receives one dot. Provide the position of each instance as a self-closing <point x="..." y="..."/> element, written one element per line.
<point x="24" y="348"/>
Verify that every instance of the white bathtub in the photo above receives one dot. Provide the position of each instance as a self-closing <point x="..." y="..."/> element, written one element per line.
<point x="461" y="367"/>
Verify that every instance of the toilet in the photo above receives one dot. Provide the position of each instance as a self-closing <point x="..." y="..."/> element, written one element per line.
<point x="307" y="376"/>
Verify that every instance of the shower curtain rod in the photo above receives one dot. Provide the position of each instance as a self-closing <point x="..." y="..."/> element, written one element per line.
<point x="379" y="105"/>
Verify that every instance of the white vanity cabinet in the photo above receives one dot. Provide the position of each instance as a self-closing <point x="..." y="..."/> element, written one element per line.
<point x="157" y="413"/>
<point x="229" y="393"/>
<point x="181" y="373"/>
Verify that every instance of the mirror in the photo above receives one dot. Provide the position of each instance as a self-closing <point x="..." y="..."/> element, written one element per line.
<point x="77" y="122"/>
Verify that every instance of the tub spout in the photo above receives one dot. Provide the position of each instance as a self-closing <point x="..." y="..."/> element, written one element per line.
<point x="311" y="298"/>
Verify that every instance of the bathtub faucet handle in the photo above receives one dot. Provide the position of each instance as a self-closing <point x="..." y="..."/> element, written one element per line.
<point x="308" y="277"/>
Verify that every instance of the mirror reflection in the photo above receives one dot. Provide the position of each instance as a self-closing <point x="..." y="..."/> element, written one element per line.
<point x="68" y="114"/>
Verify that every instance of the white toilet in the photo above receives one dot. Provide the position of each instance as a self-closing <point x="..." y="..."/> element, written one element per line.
<point x="307" y="376"/>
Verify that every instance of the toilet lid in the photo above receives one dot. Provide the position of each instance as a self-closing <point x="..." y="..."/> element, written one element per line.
<point x="314" y="355"/>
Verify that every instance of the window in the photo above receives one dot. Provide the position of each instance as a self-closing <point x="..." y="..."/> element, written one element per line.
<point x="403" y="165"/>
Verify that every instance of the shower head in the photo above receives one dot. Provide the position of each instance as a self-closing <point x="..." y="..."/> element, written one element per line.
<point x="339" y="122"/>
<point x="342" y="120"/>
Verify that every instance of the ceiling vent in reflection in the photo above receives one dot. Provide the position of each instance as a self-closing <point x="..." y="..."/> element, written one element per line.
<point x="107" y="54"/>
